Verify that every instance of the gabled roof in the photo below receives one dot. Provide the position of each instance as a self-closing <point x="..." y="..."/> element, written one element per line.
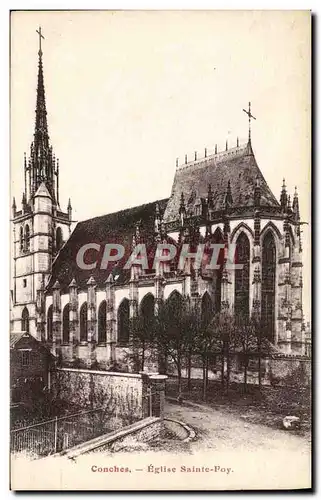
<point x="237" y="165"/>
<point x="118" y="227"/>
<point x="15" y="337"/>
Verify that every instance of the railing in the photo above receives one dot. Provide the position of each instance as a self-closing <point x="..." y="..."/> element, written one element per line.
<point x="61" y="433"/>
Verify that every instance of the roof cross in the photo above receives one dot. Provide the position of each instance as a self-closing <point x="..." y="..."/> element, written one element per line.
<point x="40" y="37"/>
<point x="249" y="114"/>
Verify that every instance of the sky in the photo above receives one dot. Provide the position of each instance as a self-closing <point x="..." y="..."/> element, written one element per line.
<point x="129" y="92"/>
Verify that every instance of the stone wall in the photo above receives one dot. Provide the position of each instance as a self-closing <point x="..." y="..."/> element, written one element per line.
<point x="86" y="389"/>
<point x="125" y="395"/>
<point x="290" y="370"/>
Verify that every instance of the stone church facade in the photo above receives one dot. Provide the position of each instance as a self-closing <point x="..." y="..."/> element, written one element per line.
<point x="223" y="198"/>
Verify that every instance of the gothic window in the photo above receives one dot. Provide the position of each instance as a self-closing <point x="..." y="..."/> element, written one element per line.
<point x="217" y="238"/>
<point x="242" y="276"/>
<point x="102" y="311"/>
<point x="59" y="239"/>
<point x="25" y="320"/>
<point x="268" y="284"/>
<point x="206" y="310"/>
<point x="174" y="312"/>
<point x="21" y="239"/>
<point x="49" y="323"/>
<point x="27" y="238"/>
<point x="123" y="321"/>
<point x="83" y="323"/>
<point x="147" y="308"/>
<point x="65" y="325"/>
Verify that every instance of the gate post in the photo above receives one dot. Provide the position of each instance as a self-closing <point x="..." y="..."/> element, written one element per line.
<point x="157" y="385"/>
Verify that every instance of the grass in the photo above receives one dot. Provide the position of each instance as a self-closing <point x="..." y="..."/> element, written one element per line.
<point x="267" y="406"/>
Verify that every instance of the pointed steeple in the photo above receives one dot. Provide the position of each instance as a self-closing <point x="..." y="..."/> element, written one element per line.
<point x="42" y="163"/>
<point x="283" y="197"/>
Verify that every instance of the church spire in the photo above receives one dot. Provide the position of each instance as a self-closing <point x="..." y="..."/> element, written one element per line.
<point x="42" y="163"/>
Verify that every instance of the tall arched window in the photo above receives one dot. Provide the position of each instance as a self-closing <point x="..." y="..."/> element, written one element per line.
<point x="268" y="285"/>
<point x="206" y="310"/>
<point x="242" y="277"/>
<point x="217" y="238"/>
<point x="27" y="238"/>
<point x="147" y="308"/>
<point x="25" y="320"/>
<point x="59" y="239"/>
<point x="21" y="239"/>
<point x="102" y="322"/>
<point x="173" y="311"/>
<point x="123" y="321"/>
<point x="65" y="325"/>
<point x="49" y="323"/>
<point x="83" y="323"/>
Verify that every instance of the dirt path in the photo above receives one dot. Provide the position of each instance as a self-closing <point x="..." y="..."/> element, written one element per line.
<point x="224" y="431"/>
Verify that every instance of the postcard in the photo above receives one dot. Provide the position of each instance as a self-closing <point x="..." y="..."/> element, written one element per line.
<point x="160" y="295"/>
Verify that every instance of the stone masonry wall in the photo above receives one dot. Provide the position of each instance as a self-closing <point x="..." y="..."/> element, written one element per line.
<point x="86" y="389"/>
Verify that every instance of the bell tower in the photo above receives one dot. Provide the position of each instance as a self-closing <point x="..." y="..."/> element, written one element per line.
<point x="40" y="227"/>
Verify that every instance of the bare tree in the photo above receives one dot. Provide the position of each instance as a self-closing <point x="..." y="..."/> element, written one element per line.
<point x="173" y="333"/>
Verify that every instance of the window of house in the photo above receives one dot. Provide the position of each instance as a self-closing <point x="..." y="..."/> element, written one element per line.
<point x="24" y="282"/>
<point x="25" y="358"/>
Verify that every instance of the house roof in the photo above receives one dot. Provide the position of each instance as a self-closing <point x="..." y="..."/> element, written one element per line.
<point x="15" y="337"/>
<point x="237" y="165"/>
<point x="118" y="227"/>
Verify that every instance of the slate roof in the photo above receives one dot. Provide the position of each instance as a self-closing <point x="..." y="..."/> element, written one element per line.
<point x="15" y="337"/>
<point x="118" y="227"/>
<point x="237" y="165"/>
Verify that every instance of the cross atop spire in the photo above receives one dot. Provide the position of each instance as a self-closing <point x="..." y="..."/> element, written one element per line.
<point x="40" y="37"/>
<point x="249" y="114"/>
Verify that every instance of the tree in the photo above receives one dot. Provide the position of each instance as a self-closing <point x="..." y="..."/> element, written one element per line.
<point x="220" y="338"/>
<point x="173" y="334"/>
<point x="246" y="341"/>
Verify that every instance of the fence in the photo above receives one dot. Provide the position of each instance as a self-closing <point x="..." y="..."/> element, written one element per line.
<point x="60" y="433"/>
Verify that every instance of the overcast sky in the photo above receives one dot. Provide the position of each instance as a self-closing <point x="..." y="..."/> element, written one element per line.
<point x="129" y="92"/>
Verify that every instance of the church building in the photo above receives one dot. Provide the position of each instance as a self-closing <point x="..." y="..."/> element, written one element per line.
<point x="221" y="197"/>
